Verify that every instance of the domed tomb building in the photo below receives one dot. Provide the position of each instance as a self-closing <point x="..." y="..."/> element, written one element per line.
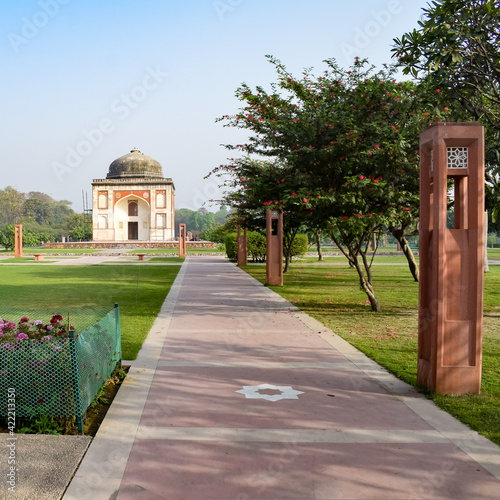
<point x="134" y="203"/>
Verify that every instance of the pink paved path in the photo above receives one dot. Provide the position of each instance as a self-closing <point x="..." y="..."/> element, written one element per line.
<point x="344" y="436"/>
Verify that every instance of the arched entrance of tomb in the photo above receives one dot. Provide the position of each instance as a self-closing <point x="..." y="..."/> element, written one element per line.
<point x="132" y="219"/>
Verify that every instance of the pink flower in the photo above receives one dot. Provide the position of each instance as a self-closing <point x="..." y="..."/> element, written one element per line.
<point x="345" y="217"/>
<point x="438" y="90"/>
<point x="361" y="176"/>
<point x="376" y="146"/>
<point x="293" y="194"/>
<point x="406" y="208"/>
<point x="305" y="200"/>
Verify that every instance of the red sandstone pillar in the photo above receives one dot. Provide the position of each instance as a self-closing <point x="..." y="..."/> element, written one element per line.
<point x="274" y="248"/>
<point x="18" y="240"/>
<point x="451" y="260"/>
<point x="182" y="240"/>
<point x="242" y="246"/>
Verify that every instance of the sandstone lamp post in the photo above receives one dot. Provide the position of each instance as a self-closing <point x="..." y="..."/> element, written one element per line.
<point x="18" y="240"/>
<point x="242" y="245"/>
<point x="451" y="259"/>
<point x="274" y="247"/>
<point x="182" y="240"/>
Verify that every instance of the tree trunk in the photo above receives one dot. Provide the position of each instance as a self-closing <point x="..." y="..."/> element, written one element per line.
<point x="352" y="256"/>
<point x="367" y="288"/>
<point x="403" y="243"/>
<point x="486" y="264"/>
<point x="287" y="264"/>
<point x="318" y="246"/>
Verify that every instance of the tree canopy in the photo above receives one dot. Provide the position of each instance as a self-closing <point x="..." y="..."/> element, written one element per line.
<point x="341" y="149"/>
<point x="456" y="48"/>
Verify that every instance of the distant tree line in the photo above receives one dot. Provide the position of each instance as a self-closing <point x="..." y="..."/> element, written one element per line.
<point x="210" y="226"/>
<point x="43" y="218"/>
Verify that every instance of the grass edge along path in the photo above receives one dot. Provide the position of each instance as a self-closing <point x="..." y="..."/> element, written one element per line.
<point x="81" y="290"/>
<point x="333" y="297"/>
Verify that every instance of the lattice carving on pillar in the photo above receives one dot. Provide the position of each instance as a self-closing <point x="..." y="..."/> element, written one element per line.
<point x="458" y="157"/>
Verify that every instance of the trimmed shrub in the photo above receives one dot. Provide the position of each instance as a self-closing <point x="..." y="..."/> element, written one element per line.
<point x="256" y="246"/>
<point x="231" y="244"/>
<point x="300" y="245"/>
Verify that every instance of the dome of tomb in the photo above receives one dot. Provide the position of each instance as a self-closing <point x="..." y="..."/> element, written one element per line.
<point x="135" y="165"/>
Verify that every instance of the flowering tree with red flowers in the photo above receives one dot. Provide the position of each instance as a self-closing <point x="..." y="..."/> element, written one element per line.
<point x="254" y="186"/>
<point x="347" y="144"/>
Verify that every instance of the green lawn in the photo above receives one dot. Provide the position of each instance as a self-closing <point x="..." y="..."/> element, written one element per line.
<point x="86" y="293"/>
<point x="166" y="260"/>
<point x="332" y="295"/>
<point x="176" y="250"/>
<point x="379" y="259"/>
<point x="23" y="260"/>
<point x="155" y="260"/>
<point x="31" y="250"/>
<point x="494" y="253"/>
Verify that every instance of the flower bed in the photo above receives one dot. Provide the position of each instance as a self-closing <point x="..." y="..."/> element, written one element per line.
<point x="12" y="333"/>
<point x="50" y="371"/>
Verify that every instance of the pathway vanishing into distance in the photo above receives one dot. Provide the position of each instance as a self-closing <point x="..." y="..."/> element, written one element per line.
<point x="236" y="394"/>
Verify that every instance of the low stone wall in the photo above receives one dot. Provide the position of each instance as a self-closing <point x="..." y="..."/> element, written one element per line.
<point x="130" y="245"/>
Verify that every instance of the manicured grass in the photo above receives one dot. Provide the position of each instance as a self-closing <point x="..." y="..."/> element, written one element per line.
<point x="494" y="253"/>
<point x="86" y="293"/>
<point x="166" y="260"/>
<point x="154" y="260"/>
<point x="332" y="295"/>
<point x="28" y="250"/>
<point x="155" y="250"/>
<point x="23" y="260"/>
<point x="379" y="259"/>
<point x="176" y="250"/>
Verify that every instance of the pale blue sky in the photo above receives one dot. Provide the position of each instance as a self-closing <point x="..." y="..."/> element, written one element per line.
<point x="155" y="74"/>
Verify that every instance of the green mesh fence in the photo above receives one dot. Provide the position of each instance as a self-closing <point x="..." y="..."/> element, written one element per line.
<point x="98" y="350"/>
<point x="59" y="377"/>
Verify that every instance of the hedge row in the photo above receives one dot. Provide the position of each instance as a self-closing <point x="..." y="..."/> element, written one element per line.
<point x="256" y="246"/>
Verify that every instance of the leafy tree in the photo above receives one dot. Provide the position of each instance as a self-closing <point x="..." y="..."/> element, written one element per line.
<point x="456" y="49"/>
<point x="254" y="186"/>
<point x="221" y="215"/>
<point x="457" y="45"/>
<point x="202" y="219"/>
<point x="346" y="148"/>
<point x="79" y="227"/>
<point x="38" y="210"/>
<point x="11" y="206"/>
<point x="7" y="237"/>
<point x="60" y="212"/>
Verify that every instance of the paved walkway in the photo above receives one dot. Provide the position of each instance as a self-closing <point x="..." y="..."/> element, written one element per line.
<point x="238" y="395"/>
